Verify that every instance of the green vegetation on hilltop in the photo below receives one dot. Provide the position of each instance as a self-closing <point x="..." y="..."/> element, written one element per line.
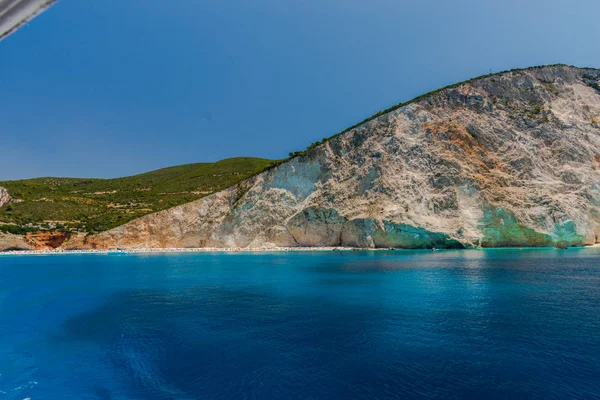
<point x="94" y="205"/>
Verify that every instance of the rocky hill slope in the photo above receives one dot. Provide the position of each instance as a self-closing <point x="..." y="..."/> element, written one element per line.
<point x="511" y="159"/>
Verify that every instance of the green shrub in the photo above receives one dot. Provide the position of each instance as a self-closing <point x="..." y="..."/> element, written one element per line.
<point x="17" y="230"/>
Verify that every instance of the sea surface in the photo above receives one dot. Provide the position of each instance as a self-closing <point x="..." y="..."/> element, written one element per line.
<point x="479" y="324"/>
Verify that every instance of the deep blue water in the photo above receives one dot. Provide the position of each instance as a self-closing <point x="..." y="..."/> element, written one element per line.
<point x="324" y="325"/>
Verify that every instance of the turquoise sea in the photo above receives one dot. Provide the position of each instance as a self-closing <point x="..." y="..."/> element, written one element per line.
<point x="479" y="324"/>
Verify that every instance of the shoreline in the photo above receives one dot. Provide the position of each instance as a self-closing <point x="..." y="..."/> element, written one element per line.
<point x="249" y="250"/>
<point x="185" y="250"/>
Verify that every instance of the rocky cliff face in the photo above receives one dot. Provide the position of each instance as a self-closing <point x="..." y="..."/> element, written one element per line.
<point x="5" y="197"/>
<point x="505" y="160"/>
<point x="10" y="242"/>
<point x="33" y="241"/>
<point x="46" y="240"/>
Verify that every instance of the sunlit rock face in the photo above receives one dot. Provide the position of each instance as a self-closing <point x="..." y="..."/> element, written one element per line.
<point x="5" y="197"/>
<point x="506" y="160"/>
<point x="10" y="242"/>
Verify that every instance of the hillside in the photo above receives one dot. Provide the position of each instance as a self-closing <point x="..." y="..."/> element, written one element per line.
<point x="511" y="159"/>
<point x="95" y="205"/>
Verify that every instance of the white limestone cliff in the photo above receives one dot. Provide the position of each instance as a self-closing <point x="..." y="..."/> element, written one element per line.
<point x="506" y="160"/>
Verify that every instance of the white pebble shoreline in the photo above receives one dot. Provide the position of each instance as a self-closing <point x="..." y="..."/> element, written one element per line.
<point x="185" y="250"/>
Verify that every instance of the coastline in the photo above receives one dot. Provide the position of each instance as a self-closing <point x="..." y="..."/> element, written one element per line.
<point x="185" y="250"/>
<point x="243" y="250"/>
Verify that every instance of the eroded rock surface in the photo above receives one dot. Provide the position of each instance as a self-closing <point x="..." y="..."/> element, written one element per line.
<point x="506" y="160"/>
<point x="33" y="241"/>
<point x="46" y="240"/>
<point x="10" y="242"/>
<point x="5" y="197"/>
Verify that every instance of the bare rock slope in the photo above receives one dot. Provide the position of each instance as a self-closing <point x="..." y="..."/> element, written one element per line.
<point x="506" y="160"/>
<point x="5" y="197"/>
<point x="10" y="242"/>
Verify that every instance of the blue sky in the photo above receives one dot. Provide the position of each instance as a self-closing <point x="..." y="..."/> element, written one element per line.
<point x="118" y="87"/>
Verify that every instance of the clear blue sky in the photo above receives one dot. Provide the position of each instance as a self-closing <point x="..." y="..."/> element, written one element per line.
<point x="117" y="87"/>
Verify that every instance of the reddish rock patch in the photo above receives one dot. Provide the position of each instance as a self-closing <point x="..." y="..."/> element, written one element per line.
<point x="46" y="240"/>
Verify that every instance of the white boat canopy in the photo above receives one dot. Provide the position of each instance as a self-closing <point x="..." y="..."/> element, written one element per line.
<point x="16" y="13"/>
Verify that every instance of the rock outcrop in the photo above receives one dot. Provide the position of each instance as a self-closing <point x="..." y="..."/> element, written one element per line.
<point x="506" y="160"/>
<point x="46" y="240"/>
<point x="33" y="241"/>
<point x="5" y="197"/>
<point x="10" y="242"/>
